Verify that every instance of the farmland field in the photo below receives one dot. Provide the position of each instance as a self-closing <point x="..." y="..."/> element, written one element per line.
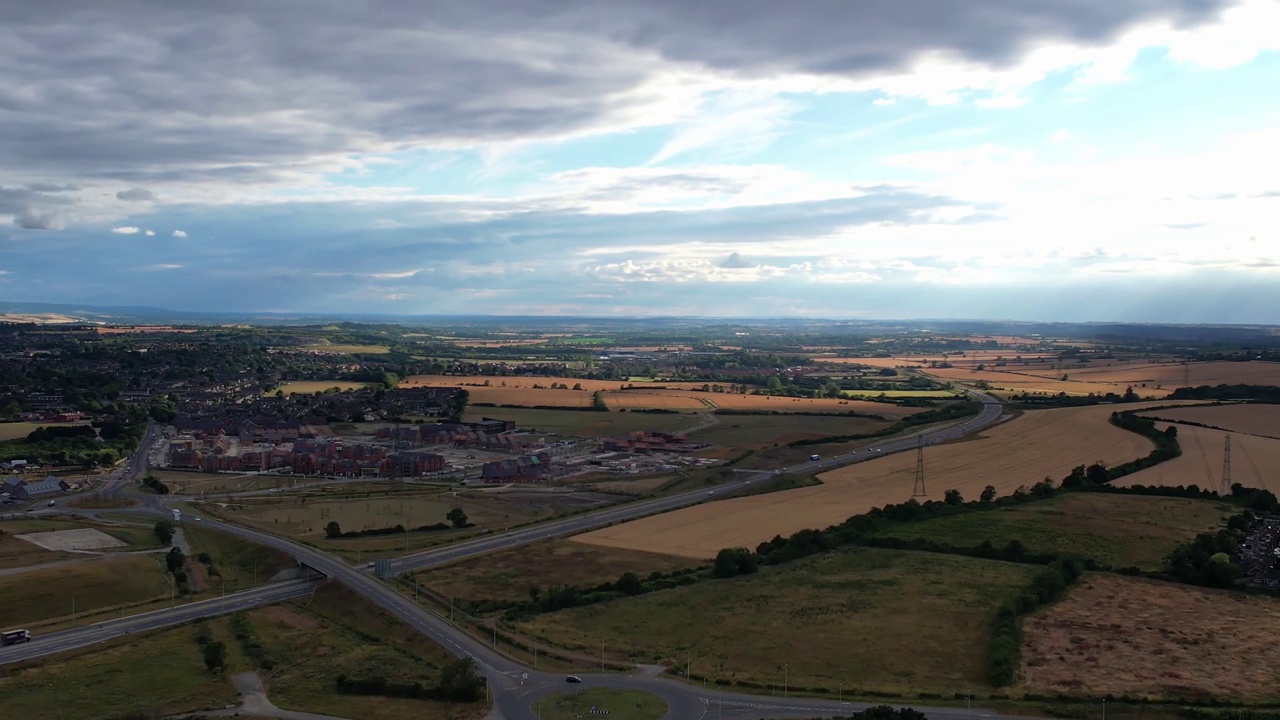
<point x="19" y="430"/>
<point x="1254" y="461"/>
<point x="308" y="387"/>
<point x="686" y="396"/>
<point x="591" y="424"/>
<point x="874" y="619"/>
<point x="507" y="575"/>
<point x="756" y="431"/>
<point x="1252" y="419"/>
<point x="1115" y="530"/>
<point x="290" y="515"/>
<point x="1019" y="452"/>
<point x="47" y="594"/>
<point x="183" y="482"/>
<point x="1115" y="635"/>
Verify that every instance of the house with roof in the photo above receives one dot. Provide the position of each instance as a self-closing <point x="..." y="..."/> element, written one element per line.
<point x="40" y="489"/>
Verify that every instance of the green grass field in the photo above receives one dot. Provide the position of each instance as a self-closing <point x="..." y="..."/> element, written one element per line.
<point x="309" y="387"/>
<point x="589" y="424"/>
<point x="619" y="704"/>
<point x="899" y="393"/>
<point x="338" y="626"/>
<point x="40" y="595"/>
<point x="743" y="432"/>
<point x="17" y="430"/>
<point x="350" y="349"/>
<point x="507" y="575"/>
<point x="159" y="674"/>
<point x="871" y="619"/>
<point x="162" y="673"/>
<point x="16" y="553"/>
<point x="240" y="564"/>
<point x="1115" y="530"/>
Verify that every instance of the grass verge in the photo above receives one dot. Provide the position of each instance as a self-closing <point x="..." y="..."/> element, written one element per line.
<point x="616" y="704"/>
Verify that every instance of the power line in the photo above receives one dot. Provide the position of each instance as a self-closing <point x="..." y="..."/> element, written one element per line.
<point x="1225" y="489"/>
<point x="919" y="489"/>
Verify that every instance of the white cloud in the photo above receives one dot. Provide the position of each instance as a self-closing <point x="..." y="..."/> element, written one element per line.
<point x="127" y="230"/>
<point x="150" y="233"/>
<point x="179" y="233"/>
<point x="162" y="266"/>
<point x="1061" y="136"/>
<point x="395" y="275"/>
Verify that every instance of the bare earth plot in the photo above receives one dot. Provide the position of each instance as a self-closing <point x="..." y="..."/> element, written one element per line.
<point x="1129" y="636"/>
<point x="1020" y="452"/>
<point x="1251" y="419"/>
<point x="1255" y="461"/>
<point x="84" y="539"/>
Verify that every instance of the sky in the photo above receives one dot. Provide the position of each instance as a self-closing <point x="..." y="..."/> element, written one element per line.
<point x="1074" y="160"/>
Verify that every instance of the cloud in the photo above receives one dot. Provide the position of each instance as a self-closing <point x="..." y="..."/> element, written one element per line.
<point x="264" y="96"/>
<point x="29" y="219"/>
<point x="162" y="266"/>
<point x="136" y="195"/>
<point x="179" y="233"/>
<point x="126" y="230"/>
<point x="149" y="233"/>
<point x="735" y="260"/>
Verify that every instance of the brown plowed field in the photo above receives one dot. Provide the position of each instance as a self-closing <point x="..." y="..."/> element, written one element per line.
<point x="1249" y="419"/>
<point x="1255" y="461"/>
<point x="1114" y="635"/>
<point x="1020" y="452"/>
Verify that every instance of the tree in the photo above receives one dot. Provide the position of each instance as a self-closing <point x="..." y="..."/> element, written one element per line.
<point x="457" y="517"/>
<point x="215" y="656"/>
<point x="332" y="530"/>
<point x="164" y="532"/>
<point x="953" y="497"/>
<point x="988" y="495"/>
<point x="459" y="681"/>
<point x="174" y="560"/>
<point x="628" y="584"/>
<point x="734" y="561"/>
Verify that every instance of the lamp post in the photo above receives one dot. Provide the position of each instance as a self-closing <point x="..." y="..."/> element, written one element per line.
<point x="786" y="667"/>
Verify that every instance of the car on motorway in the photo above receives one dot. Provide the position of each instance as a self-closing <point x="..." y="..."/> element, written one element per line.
<point x="573" y="679"/>
<point x="711" y="492"/>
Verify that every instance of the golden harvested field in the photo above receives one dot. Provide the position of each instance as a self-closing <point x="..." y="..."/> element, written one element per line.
<point x="475" y="383"/>
<point x="1019" y="452"/>
<point x="526" y="397"/>
<point x="1116" y="635"/>
<point x="896" y="361"/>
<point x="1170" y="374"/>
<point x="308" y="387"/>
<point x="1249" y="419"/>
<point x="1023" y="381"/>
<point x="1254" y="461"/>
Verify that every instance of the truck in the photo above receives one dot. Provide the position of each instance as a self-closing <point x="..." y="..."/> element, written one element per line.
<point x="815" y="458"/>
<point x="13" y="637"/>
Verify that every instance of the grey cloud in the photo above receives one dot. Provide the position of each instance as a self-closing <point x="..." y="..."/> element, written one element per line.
<point x="735" y="260"/>
<point x="37" y="206"/>
<point x="33" y="220"/>
<point x="51" y="187"/>
<point x="174" y="90"/>
<point x="136" y="195"/>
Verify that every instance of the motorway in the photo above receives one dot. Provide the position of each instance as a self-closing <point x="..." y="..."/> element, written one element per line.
<point x="515" y="687"/>
<point x="64" y="640"/>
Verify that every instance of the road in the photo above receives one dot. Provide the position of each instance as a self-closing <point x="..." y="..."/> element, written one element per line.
<point x="110" y="629"/>
<point x="516" y="688"/>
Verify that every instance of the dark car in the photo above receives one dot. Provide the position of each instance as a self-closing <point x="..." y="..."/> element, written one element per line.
<point x="573" y="679"/>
